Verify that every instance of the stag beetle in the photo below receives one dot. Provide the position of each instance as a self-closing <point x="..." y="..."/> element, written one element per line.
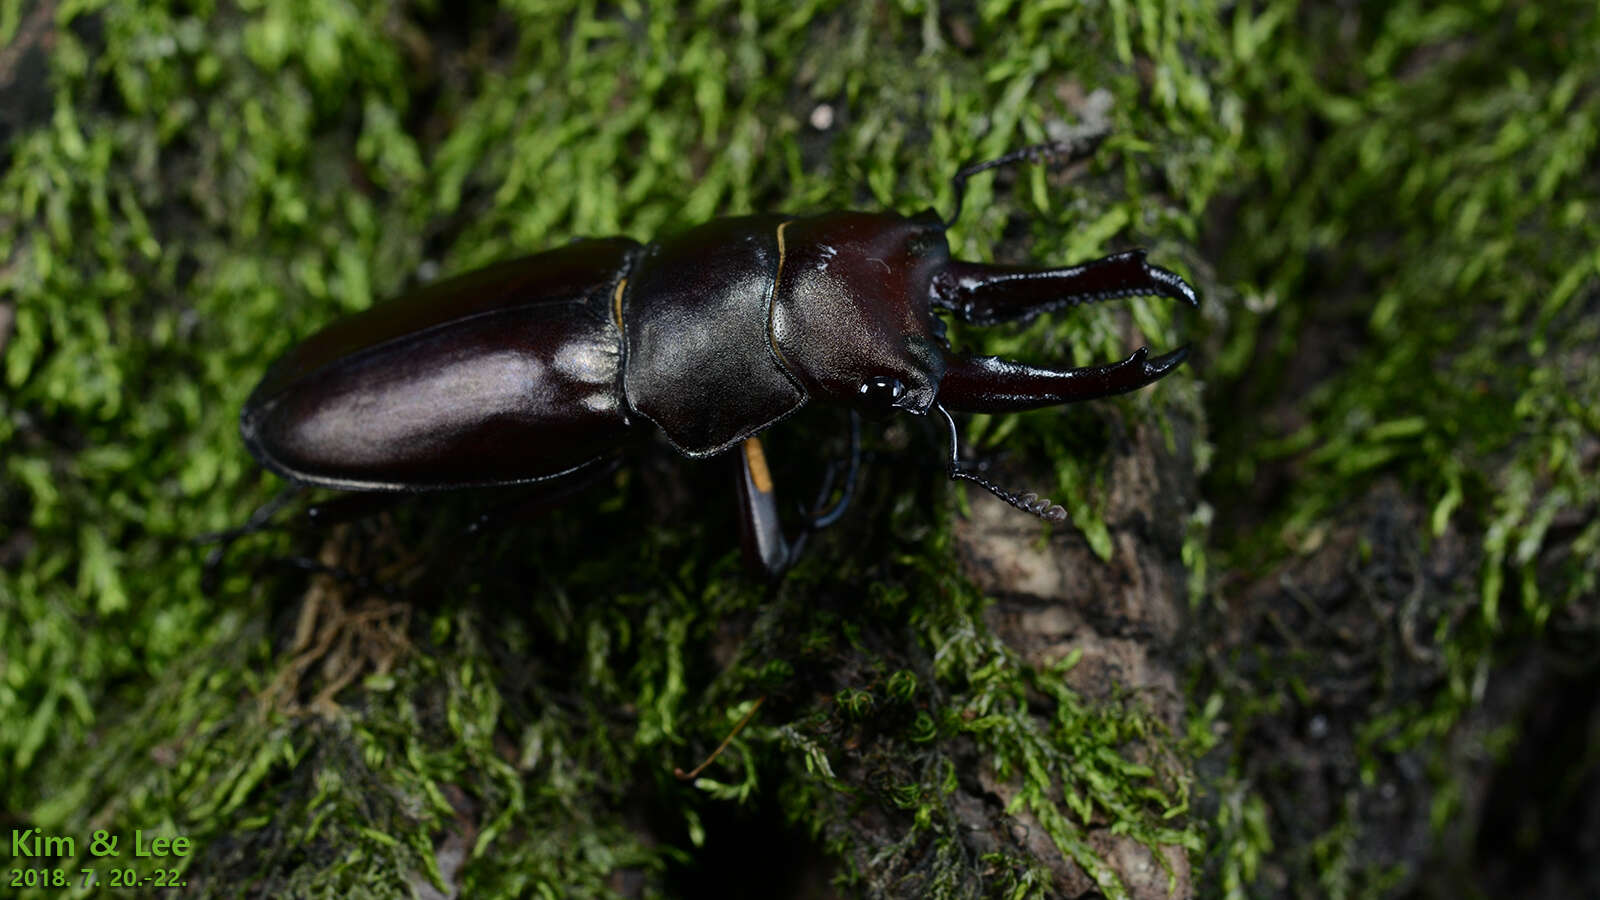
<point x="539" y="369"/>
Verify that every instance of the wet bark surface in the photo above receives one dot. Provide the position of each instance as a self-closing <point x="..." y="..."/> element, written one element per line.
<point x="1348" y="633"/>
<point x="1126" y="616"/>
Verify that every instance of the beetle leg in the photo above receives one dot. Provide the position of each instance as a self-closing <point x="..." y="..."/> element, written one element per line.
<point x="540" y="496"/>
<point x="343" y="508"/>
<point x="985" y="294"/>
<point x="988" y="384"/>
<point x="819" y="519"/>
<point x="354" y="579"/>
<point x="351" y="507"/>
<point x="260" y="520"/>
<point x="760" y="531"/>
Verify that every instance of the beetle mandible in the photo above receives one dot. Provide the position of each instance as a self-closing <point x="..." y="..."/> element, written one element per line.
<point x="540" y="368"/>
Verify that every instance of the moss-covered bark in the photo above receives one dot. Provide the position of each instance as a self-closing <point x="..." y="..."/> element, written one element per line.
<point x="1294" y="677"/>
<point x="1406" y="485"/>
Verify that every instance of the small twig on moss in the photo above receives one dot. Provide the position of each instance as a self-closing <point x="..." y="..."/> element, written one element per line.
<point x="686" y="776"/>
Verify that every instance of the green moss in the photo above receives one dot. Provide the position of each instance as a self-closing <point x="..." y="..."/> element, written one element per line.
<point x="1415" y="246"/>
<point x="215" y="181"/>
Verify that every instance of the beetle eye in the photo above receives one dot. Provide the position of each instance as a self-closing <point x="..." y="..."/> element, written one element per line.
<point x="879" y="393"/>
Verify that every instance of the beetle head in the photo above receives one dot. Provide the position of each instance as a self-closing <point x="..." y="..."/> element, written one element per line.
<point x="851" y="316"/>
<point x="852" y="319"/>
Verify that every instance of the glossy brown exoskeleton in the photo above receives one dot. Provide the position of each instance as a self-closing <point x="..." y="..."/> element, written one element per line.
<point x="540" y="369"/>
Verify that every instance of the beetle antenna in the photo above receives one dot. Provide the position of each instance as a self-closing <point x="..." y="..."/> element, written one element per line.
<point x="1070" y="150"/>
<point x="1029" y="502"/>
